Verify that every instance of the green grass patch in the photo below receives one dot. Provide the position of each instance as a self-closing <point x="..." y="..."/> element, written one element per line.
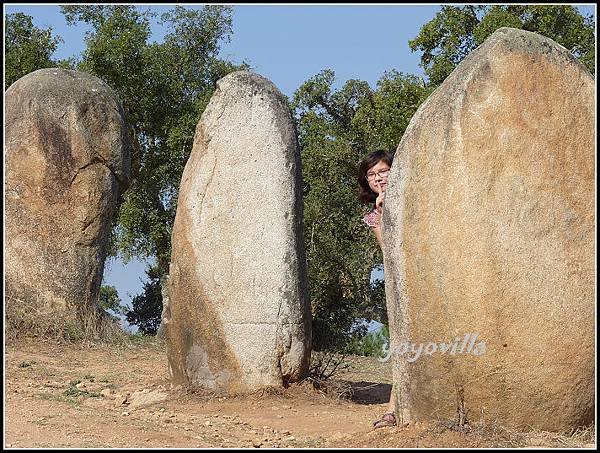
<point x="73" y="391"/>
<point x="60" y="398"/>
<point x="25" y="364"/>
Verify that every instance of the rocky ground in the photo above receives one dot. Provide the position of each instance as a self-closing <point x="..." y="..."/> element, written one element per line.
<point x="108" y="396"/>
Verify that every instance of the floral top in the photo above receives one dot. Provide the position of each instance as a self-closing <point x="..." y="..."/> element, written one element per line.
<point x="371" y="218"/>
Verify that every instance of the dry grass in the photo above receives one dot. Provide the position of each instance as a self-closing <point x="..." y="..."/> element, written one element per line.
<point x="323" y="367"/>
<point x="337" y="390"/>
<point x="500" y="436"/>
<point x="366" y="369"/>
<point x="580" y="437"/>
<point x="29" y="318"/>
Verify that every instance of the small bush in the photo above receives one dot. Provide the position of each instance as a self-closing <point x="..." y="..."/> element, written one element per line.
<point x="323" y="366"/>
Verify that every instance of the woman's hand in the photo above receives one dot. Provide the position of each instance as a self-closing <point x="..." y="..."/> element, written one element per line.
<point x="379" y="200"/>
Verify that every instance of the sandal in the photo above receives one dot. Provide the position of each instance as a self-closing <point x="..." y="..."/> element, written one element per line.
<point x="387" y="419"/>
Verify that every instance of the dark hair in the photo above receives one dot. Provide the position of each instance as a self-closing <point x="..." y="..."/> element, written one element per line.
<point x="365" y="193"/>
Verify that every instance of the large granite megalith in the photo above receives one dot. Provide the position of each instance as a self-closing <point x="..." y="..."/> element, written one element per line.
<point x="488" y="228"/>
<point x="67" y="161"/>
<point x="238" y="317"/>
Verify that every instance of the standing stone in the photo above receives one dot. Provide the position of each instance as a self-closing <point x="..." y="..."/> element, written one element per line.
<point x="489" y="230"/>
<point x="238" y="317"/>
<point x="67" y="161"/>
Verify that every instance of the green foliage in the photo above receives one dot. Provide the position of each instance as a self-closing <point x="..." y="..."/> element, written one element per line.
<point x="446" y="40"/>
<point x="146" y="308"/>
<point x="383" y="118"/>
<point x="27" y="48"/>
<point x="371" y="344"/>
<point x="336" y="129"/>
<point x="164" y="87"/>
<point x="108" y="299"/>
<point x="455" y="31"/>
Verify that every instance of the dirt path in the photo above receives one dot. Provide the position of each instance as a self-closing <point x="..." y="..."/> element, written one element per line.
<point x="60" y="396"/>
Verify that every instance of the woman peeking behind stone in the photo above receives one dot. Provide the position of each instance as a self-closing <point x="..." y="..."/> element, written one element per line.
<point x="372" y="180"/>
<point x="373" y="174"/>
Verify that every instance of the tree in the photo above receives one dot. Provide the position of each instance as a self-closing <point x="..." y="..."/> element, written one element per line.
<point x="147" y="307"/>
<point x="455" y="31"/>
<point x="381" y="121"/>
<point x="336" y="129"/>
<point x="109" y="299"/>
<point x="164" y="87"/>
<point x="27" y="48"/>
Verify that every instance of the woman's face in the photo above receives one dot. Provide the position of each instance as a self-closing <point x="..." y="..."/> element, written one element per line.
<point x="377" y="176"/>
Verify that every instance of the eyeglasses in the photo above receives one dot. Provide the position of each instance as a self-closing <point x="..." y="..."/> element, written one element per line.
<point x="382" y="173"/>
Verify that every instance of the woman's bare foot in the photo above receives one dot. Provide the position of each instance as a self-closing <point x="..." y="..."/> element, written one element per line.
<point x="387" y="419"/>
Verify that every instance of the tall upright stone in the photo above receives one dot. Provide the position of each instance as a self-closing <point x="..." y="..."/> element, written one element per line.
<point x="67" y="161"/>
<point x="238" y="317"/>
<point x="488" y="228"/>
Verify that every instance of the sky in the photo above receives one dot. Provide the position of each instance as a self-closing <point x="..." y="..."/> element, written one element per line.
<point x="287" y="44"/>
<point x="290" y="43"/>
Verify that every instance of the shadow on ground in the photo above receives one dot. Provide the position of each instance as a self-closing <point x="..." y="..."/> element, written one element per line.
<point x="364" y="392"/>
